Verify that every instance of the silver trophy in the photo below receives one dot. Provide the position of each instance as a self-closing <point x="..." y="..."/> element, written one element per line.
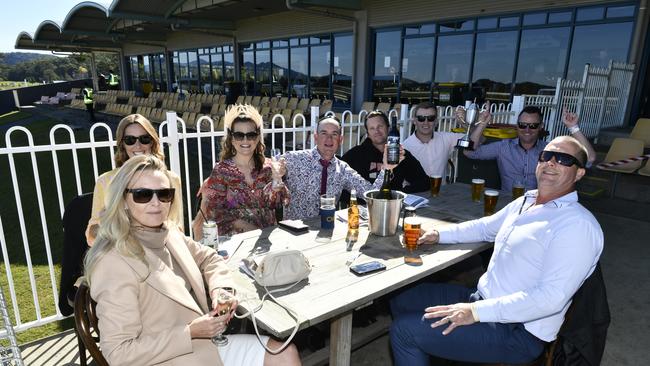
<point x="471" y="116"/>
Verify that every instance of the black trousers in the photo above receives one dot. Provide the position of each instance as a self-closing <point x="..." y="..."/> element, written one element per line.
<point x="91" y="110"/>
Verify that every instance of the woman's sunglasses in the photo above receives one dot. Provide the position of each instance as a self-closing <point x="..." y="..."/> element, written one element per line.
<point x="426" y="118"/>
<point x="239" y="136"/>
<point x="560" y="157"/>
<point x="532" y="126"/>
<point x="144" y="195"/>
<point x="130" y="140"/>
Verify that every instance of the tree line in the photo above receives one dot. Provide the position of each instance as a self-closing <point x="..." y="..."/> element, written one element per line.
<point x="40" y="68"/>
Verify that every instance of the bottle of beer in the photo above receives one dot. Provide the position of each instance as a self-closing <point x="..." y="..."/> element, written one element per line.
<point x="393" y="142"/>
<point x="385" y="187"/>
<point x="353" y="216"/>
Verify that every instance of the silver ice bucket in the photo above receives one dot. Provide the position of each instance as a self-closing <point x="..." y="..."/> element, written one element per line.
<point x="383" y="214"/>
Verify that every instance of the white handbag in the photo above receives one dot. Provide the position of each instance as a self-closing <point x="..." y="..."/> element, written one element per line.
<point x="282" y="268"/>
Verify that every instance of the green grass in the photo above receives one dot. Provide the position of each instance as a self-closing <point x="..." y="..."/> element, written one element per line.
<point x="30" y="208"/>
<point x="13" y="116"/>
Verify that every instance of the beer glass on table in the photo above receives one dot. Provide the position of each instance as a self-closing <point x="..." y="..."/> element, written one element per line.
<point x="517" y="190"/>
<point x="412" y="232"/>
<point x="477" y="188"/>
<point x="226" y="297"/>
<point x="490" y="202"/>
<point x="436" y="181"/>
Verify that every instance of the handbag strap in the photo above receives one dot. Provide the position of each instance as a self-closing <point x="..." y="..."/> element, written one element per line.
<point x="269" y="293"/>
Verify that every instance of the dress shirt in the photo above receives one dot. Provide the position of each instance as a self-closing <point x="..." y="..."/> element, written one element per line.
<point x="515" y="163"/>
<point x="303" y="179"/>
<point x="542" y="255"/>
<point x="433" y="155"/>
<point x="408" y="176"/>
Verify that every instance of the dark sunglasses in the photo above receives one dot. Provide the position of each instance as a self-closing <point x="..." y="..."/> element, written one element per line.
<point x="130" y="140"/>
<point x="560" y="157"/>
<point x="144" y="195"/>
<point x="532" y="126"/>
<point x="239" y="136"/>
<point x="426" y="118"/>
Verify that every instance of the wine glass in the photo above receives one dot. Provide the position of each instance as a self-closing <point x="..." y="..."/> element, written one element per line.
<point x="275" y="163"/>
<point x="225" y="300"/>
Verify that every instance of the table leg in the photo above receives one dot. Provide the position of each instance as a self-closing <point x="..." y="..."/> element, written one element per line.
<point x="341" y="340"/>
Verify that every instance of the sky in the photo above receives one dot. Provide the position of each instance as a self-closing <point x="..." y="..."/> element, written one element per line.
<point x="25" y="15"/>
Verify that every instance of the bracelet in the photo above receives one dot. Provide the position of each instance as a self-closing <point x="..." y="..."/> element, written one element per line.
<point x="574" y="129"/>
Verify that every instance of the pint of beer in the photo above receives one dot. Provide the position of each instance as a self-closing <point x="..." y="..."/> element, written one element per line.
<point x="517" y="190"/>
<point x="436" y="181"/>
<point x="477" y="189"/>
<point x="490" y="202"/>
<point x="412" y="226"/>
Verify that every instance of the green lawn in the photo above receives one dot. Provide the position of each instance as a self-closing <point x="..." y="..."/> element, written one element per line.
<point x="9" y="214"/>
<point x="13" y="116"/>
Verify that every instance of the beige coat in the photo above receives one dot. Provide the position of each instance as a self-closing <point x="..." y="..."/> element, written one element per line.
<point x="144" y="312"/>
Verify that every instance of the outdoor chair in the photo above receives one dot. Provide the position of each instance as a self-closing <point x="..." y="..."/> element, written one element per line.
<point x="75" y="221"/>
<point x="86" y="323"/>
<point x="645" y="170"/>
<point x="641" y="131"/>
<point x="368" y="106"/>
<point x="623" y="148"/>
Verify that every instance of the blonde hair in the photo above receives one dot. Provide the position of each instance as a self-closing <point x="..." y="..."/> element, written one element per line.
<point x="242" y="113"/>
<point x="156" y="148"/>
<point x="115" y="221"/>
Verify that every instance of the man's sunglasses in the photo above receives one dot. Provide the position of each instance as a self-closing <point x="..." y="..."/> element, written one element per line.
<point x="130" y="140"/>
<point x="144" y="195"/>
<point x="532" y="126"/>
<point x="426" y="118"/>
<point x="560" y="157"/>
<point x="239" y="136"/>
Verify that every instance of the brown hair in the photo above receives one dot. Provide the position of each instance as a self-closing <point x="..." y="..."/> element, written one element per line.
<point x="242" y="113"/>
<point x="156" y="149"/>
<point x="425" y="105"/>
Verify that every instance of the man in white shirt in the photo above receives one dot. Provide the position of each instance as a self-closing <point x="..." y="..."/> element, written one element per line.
<point x="545" y="245"/>
<point x="433" y="149"/>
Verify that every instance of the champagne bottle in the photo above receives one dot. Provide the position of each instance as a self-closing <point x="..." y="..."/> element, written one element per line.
<point x="385" y="187"/>
<point x="353" y="217"/>
<point x="393" y="143"/>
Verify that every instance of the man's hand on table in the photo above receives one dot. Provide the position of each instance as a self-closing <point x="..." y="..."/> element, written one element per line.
<point x="455" y="315"/>
<point x="430" y="236"/>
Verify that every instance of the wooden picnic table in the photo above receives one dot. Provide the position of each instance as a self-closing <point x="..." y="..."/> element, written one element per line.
<point x="332" y="291"/>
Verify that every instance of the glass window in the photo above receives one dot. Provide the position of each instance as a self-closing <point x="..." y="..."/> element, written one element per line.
<point x="494" y="63"/>
<point x="263" y="72"/>
<point x="280" y="72"/>
<point x="304" y="41"/>
<point x="229" y="67"/>
<point x="453" y="58"/>
<point x="320" y="72"/>
<point x="343" y="65"/>
<point x="192" y="59"/>
<point x="428" y="29"/>
<point x="509" y="22"/>
<point x="535" y="19"/>
<point x="590" y="14"/>
<point x="412" y="30"/>
<point x="293" y="41"/>
<point x="417" y="67"/>
<point x="247" y="46"/>
<point x="248" y="72"/>
<point x="217" y="73"/>
<point x="145" y="68"/>
<point x="387" y="53"/>
<point x="562" y="17"/>
<point x="205" y="74"/>
<point x="542" y="57"/>
<point x="597" y="44"/>
<point x="182" y="60"/>
<point x="487" y="23"/>
<point x="281" y="43"/>
<point x="620" y="11"/>
<point x="459" y="25"/>
<point x="299" y="69"/>
<point x="266" y="44"/>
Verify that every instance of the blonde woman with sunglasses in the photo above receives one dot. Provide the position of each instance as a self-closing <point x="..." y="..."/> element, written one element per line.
<point x="240" y="195"/>
<point x="135" y="136"/>
<point x="156" y="289"/>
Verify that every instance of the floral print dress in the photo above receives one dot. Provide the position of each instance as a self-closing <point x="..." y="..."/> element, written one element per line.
<point x="229" y="197"/>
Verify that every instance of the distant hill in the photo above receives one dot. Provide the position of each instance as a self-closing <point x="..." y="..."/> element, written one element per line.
<point x="12" y="58"/>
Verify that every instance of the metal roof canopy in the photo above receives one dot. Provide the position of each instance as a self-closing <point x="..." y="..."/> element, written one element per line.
<point x="92" y="26"/>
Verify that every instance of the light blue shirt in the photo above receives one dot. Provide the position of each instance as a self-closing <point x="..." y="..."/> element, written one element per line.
<point x="542" y="255"/>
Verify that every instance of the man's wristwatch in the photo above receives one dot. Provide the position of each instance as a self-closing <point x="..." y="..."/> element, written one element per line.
<point x="574" y="129"/>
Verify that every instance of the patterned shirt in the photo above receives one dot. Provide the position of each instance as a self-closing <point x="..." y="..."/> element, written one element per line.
<point x="303" y="180"/>
<point x="515" y="163"/>
<point x="229" y="197"/>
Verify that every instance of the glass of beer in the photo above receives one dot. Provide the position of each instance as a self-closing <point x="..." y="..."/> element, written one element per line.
<point x="490" y="202"/>
<point x="477" y="188"/>
<point x="517" y="190"/>
<point x="412" y="228"/>
<point x="436" y="181"/>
